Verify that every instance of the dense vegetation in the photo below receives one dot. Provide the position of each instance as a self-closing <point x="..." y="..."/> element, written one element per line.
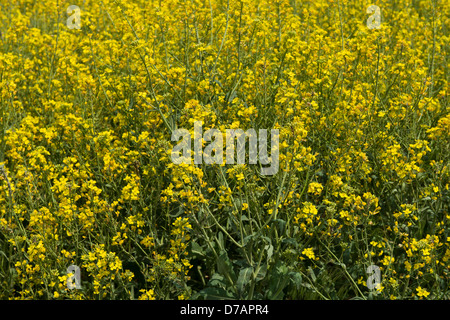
<point x="86" y="116"/>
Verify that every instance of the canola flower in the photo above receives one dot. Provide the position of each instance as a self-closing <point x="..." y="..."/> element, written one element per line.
<point x="86" y="117"/>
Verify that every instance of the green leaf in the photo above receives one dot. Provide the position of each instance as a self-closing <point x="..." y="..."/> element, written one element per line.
<point x="296" y="279"/>
<point x="225" y="267"/>
<point x="196" y="249"/>
<point x="313" y="276"/>
<point x="244" y="278"/>
<point x="279" y="278"/>
<point x="212" y="293"/>
<point x="220" y="239"/>
<point x="281" y="224"/>
<point x="247" y="239"/>
<point x="217" y="280"/>
<point x="290" y="241"/>
<point x="269" y="249"/>
<point x="261" y="272"/>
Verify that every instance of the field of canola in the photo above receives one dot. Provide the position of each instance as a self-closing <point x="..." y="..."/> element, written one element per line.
<point x="89" y="99"/>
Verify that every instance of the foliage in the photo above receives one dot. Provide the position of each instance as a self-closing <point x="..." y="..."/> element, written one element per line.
<point x="86" y="117"/>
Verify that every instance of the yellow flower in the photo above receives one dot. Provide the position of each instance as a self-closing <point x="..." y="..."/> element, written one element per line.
<point x="147" y="295"/>
<point x="422" y="292"/>
<point x="315" y="188"/>
<point x="309" y="253"/>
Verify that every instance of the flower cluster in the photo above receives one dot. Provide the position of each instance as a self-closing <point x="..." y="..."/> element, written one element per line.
<point x="86" y="176"/>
